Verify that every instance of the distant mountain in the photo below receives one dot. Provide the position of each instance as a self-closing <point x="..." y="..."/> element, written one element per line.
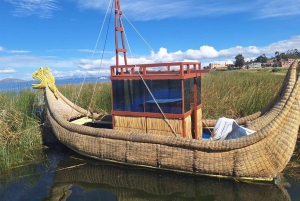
<point x="7" y="80"/>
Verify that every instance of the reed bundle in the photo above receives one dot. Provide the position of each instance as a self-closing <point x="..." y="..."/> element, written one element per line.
<point x="199" y="123"/>
<point x="130" y="124"/>
<point x="158" y="126"/>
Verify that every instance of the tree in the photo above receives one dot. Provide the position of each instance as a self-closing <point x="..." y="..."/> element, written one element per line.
<point x="262" y="59"/>
<point x="292" y="54"/>
<point x="239" y="60"/>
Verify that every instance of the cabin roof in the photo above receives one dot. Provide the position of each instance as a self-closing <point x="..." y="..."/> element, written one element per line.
<point x="174" y="70"/>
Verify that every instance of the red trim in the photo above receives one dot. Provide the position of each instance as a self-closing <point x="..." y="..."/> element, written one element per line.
<point x="158" y="64"/>
<point x="119" y="28"/>
<point x="182" y="93"/>
<point x="195" y="109"/>
<point x="183" y="69"/>
<point x="112" y="104"/>
<point x="199" y="106"/>
<point x="121" y="50"/>
<point x="128" y="76"/>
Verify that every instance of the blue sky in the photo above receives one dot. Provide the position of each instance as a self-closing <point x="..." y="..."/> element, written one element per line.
<point x="63" y="34"/>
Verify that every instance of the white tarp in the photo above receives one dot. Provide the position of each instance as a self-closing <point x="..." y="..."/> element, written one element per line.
<point x="227" y="129"/>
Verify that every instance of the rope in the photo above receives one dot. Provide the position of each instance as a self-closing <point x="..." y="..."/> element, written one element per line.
<point x="211" y="131"/>
<point x="101" y="57"/>
<point x="99" y="35"/>
<point x="165" y="118"/>
<point x="138" y="33"/>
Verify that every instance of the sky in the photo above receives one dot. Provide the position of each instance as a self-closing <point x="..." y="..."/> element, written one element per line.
<point x="64" y="34"/>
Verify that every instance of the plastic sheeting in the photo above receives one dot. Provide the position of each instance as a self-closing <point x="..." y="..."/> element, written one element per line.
<point x="227" y="129"/>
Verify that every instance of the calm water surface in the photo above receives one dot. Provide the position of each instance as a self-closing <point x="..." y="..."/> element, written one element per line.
<point x="65" y="175"/>
<point x="17" y="86"/>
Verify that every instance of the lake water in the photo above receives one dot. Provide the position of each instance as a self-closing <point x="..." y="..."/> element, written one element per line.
<point x="61" y="174"/>
<point x="65" y="175"/>
<point x="17" y="86"/>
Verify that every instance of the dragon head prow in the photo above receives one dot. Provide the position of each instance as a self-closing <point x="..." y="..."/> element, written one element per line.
<point x="47" y="79"/>
<point x="39" y="75"/>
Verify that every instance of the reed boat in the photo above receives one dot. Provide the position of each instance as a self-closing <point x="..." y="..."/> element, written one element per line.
<point x="156" y="122"/>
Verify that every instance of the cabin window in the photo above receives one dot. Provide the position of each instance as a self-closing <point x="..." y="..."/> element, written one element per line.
<point x="127" y="95"/>
<point x="168" y="95"/>
<point x="133" y="96"/>
<point x="188" y="94"/>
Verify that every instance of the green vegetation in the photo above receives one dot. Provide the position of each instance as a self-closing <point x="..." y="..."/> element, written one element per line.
<point x="239" y="61"/>
<point x="83" y="96"/>
<point x="238" y="93"/>
<point x="20" y="130"/>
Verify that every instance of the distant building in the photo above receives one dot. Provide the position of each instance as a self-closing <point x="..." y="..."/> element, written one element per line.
<point x="287" y="63"/>
<point x="217" y="66"/>
<point x="254" y="65"/>
<point x="270" y="62"/>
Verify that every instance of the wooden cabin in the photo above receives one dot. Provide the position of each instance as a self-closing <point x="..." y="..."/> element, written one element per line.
<point x="144" y="95"/>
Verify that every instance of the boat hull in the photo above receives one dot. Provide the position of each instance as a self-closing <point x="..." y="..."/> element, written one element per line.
<point x="260" y="156"/>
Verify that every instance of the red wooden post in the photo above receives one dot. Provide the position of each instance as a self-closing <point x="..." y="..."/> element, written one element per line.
<point x="119" y="28"/>
<point x="195" y="109"/>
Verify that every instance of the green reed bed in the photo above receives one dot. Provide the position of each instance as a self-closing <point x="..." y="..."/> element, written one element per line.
<point x="19" y="128"/>
<point x="95" y="97"/>
<point x="238" y="93"/>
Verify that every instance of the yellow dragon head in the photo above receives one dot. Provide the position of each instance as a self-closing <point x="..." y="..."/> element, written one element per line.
<point x="47" y="79"/>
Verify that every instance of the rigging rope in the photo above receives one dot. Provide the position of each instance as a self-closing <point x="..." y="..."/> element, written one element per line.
<point x="138" y="33"/>
<point x="99" y="35"/>
<point x="164" y="116"/>
<point x="101" y="57"/>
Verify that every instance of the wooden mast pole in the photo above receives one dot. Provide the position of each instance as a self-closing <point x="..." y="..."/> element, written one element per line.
<point x="119" y="28"/>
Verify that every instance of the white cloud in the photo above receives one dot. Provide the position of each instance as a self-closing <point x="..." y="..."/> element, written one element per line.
<point x="7" y="71"/>
<point x="34" y="62"/>
<point x="205" y="54"/>
<point x="41" y="8"/>
<point x="158" y="9"/>
<point x="77" y="73"/>
<point x="277" y="8"/>
<point x="2" y="49"/>
<point x="18" y="51"/>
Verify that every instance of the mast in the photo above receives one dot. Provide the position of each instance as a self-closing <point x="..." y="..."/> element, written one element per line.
<point x="119" y="28"/>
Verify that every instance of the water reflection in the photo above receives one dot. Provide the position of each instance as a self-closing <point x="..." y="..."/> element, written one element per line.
<point x="130" y="183"/>
<point x="71" y="177"/>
